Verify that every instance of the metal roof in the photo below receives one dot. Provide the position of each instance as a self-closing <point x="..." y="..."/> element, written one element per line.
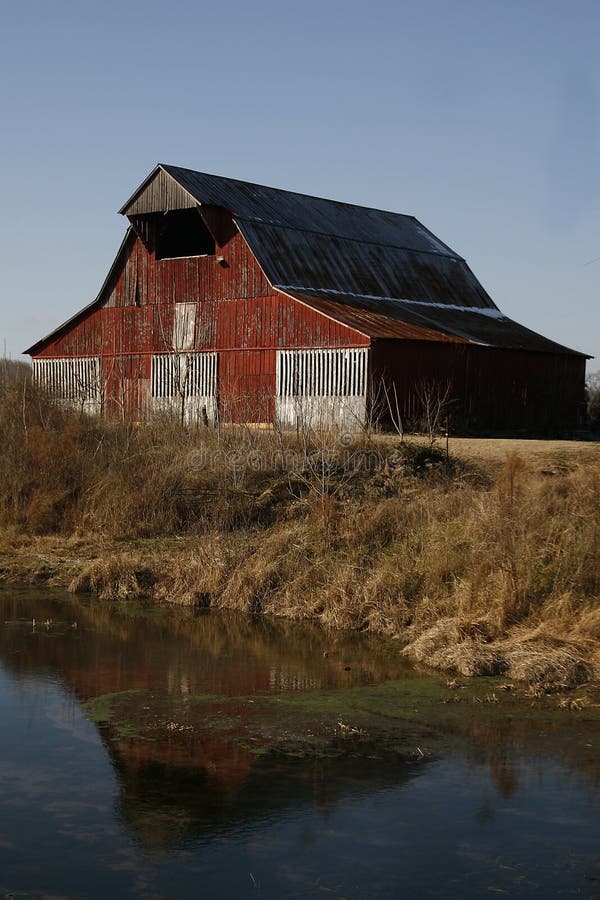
<point x="367" y="320"/>
<point x="388" y="318"/>
<point x="381" y="273"/>
<point x="304" y="260"/>
<point x="268" y="205"/>
<point x="307" y="243"/>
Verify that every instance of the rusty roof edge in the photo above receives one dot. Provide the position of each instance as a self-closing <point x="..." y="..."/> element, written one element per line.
<point x="81" y="314"/>
<point x="315" y="303"/>
<point x="308" y="305"/>
<point x="325" y="293"/>
<point x="444" y="328"/>
<point x="427" y="324"/>
<point x="282" y="290"/>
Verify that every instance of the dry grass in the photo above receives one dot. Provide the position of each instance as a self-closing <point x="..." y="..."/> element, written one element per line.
<point x="118" y="577"/>
<point x="488" y="562"/>
<point x="542" y="455"/>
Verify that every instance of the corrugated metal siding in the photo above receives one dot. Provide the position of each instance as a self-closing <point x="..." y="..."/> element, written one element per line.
<point x="259" y="323"/>
<point x="236" y="313"/>
<point x="198" y="277"/>
<point x="247" y="386"/>
<point x="127" y="384"/>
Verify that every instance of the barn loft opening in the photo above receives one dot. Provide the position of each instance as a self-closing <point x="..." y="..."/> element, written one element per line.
<point x="182" y="232"/>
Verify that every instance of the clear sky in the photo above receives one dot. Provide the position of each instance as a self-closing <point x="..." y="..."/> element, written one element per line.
<point x="479" y="117"/>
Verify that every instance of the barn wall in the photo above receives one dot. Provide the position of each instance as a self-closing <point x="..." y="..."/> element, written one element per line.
<point x="227" y="307"/>
<point x="165" y="281"/>
<point x="492" y="390"/>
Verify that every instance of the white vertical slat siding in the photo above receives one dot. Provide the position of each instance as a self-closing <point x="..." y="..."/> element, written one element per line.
<point x="321" y="387"/>
<point x="74" y="381"/>
<point x="185" y="383"/>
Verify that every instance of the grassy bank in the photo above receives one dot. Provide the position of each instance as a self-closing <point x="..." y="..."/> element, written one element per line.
<point x="483" y="562"/>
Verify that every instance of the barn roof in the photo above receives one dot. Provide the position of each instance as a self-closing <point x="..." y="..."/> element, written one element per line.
<point x="261" y="204"/>
<point x="381" y="273"/>
<point x="308" y="243"/>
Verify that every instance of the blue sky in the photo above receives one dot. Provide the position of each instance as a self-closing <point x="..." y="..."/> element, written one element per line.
<point x="480" y="118"/>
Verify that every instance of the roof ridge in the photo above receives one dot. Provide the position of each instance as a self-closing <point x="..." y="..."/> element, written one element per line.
<point x="345" y="237"/>
<point x="390" y="212"/>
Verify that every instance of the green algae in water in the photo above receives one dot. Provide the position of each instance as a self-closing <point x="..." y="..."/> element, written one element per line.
<point x="414" y="717"/>
<point x="104" y="708"/>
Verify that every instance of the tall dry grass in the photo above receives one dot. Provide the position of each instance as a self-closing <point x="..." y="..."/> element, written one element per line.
<point x="365" y="533"/>
<point x="65" y="471"/>
<point x="474" y="579"/>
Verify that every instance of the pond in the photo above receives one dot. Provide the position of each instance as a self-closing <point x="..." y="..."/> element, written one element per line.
<point x="163" y="753"/>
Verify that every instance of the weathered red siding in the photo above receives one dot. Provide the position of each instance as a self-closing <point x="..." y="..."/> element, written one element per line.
<point x="490" y="389"/>
<point x="238" y="314"/>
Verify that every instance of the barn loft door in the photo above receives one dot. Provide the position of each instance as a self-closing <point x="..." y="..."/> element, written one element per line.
<point x="184" y="326"/>
<point x="322" y="388"/>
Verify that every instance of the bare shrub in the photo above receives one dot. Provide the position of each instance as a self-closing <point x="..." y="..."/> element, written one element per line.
<point x="434" y="399"/>
<point x="13" y="372"/>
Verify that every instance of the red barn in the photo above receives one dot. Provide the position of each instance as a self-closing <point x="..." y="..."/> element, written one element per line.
<point x="234" y="301"/>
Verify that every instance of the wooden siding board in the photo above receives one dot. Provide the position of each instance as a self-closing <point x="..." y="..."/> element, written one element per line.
<point x="238" y="315"/>
<point x="491" y="390"/>
<point x="161" y="193"/>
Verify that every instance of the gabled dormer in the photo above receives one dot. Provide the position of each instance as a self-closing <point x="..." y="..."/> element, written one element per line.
<point x="168" y="219"/>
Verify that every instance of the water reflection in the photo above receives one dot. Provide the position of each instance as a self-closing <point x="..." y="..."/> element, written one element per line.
<point x="181" y="782"/>
<point x="103" y="648"/>
<point x="183" y="789"/>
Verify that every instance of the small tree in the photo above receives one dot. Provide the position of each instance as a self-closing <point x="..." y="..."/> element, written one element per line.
<point x="593" y="400"/>
<point x="434" y="399"/>
<point x="178" y="340"/>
